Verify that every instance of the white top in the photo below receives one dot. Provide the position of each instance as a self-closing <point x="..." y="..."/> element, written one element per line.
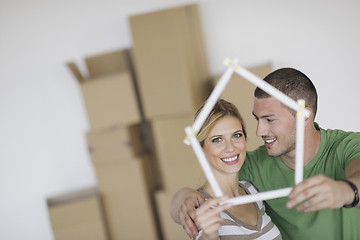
<point x="234" y="228"/>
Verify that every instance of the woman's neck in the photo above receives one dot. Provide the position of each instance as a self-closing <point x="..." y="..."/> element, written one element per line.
<point x="229" y="186"/>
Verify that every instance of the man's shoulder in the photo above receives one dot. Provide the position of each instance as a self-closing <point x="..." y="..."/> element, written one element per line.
<point x="258" y="153"/>
<point x="338" y="134"/>
<point x="335" y="131"/>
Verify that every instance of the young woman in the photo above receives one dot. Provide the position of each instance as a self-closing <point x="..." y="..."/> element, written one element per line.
<point x="223" y="139"/>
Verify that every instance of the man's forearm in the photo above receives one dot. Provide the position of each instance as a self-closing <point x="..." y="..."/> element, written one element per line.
<point x="353" y="174"/>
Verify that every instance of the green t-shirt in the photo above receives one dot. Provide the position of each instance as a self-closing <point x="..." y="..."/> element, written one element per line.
<point x="337" y="149"/>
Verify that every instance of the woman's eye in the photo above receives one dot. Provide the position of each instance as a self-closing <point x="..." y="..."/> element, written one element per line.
<point x="238" y="135"/>
<point x="216" y="140"/>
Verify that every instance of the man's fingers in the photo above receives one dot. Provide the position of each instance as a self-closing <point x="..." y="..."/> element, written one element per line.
<point x="303" y="196"/>
<point x="192" y="214"/>
<point x="307" y="189"/>
<point x="190" y="232"/>
<point x="187" y="214"/>
<point x="315" y="203"/>
<point x="317" y="193"/>
<point x="308" y="183"/>
<point x="188" y="224"/>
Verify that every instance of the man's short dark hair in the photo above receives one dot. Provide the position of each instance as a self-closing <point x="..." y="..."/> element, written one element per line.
<point x="292" y="83"/>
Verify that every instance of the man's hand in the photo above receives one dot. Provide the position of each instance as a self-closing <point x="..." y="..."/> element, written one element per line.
<point x="320" y="192"/>
<point x="183" y="209"/>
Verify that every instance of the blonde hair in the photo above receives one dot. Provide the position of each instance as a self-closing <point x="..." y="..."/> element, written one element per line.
<point x="221" y="109"/>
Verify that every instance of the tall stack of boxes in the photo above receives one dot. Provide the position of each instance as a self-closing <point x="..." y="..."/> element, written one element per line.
<point x="173" y="79"/>
<point x="138" y="107"/>
<point x="125" y="180"/>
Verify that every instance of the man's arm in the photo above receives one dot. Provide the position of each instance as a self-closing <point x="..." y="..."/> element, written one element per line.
<point x="320" y="192"/>
<point x="352" y="173"/>
<point x="182" y="209"/>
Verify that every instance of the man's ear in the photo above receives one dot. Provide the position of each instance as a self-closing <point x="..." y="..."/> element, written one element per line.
<point x="310" y="117"/>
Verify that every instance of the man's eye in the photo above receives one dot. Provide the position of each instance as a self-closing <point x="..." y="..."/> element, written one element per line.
<point x="216" y="140"/>
<point x="270" y="120"/>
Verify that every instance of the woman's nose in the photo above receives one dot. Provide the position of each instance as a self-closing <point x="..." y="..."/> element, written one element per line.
<point x="229" y="146"/>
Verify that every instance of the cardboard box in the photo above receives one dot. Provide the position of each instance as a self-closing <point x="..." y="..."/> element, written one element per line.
<point x="119" y="144"/>
<point x="128" y="208"/>
<point x="103" y="64"/>
<point x="170" y="230"/>
<point x="240" y="92"/>
<point x="109" y="93"/>
<point x="111" y="101"/>
<point x="109" y="63"/>
<point x="77" y="216"/>
<point x="170" y="61"/>
<point x="178" y="164"/>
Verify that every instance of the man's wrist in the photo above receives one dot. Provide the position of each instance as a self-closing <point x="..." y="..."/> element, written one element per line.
<point x="356" y="194"/>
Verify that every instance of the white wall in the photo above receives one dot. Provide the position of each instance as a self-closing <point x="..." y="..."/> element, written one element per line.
<point x="42" y="116"/>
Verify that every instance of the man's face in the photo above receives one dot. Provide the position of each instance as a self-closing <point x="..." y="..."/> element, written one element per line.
<point x="276" y="126"/>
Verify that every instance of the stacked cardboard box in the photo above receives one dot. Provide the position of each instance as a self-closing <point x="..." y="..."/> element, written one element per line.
<point x="117" y="150"/>
<point x="110" y="97"/>
<point x="241" y="92"/>
<point x="126" y="182"/>
<point x="177" y="162"/>
<point x="77" y="216"/>
<point x="126" y="201"/>
<point x="173" y="80"/>
<point x="137" y="127"/>
<point x="170" y="61"/>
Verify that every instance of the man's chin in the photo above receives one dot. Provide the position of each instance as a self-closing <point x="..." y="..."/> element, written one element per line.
<point x="272" y="153"/>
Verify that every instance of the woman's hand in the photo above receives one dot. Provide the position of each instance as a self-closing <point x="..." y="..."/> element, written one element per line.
<point x="208" y="217"/>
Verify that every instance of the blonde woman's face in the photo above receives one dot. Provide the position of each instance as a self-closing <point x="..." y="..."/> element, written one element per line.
<point x="225" y="146"/>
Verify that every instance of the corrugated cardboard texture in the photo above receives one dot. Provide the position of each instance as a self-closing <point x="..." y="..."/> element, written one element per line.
<point x="170" y="61"/>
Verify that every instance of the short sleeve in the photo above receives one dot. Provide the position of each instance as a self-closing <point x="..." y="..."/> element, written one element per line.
<point x="349" y="149"/>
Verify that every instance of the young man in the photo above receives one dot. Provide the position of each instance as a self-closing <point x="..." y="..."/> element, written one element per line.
<point x="317" y="208"/>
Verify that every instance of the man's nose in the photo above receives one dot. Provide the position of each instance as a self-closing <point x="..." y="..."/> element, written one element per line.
<point x="261" y="129"/>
